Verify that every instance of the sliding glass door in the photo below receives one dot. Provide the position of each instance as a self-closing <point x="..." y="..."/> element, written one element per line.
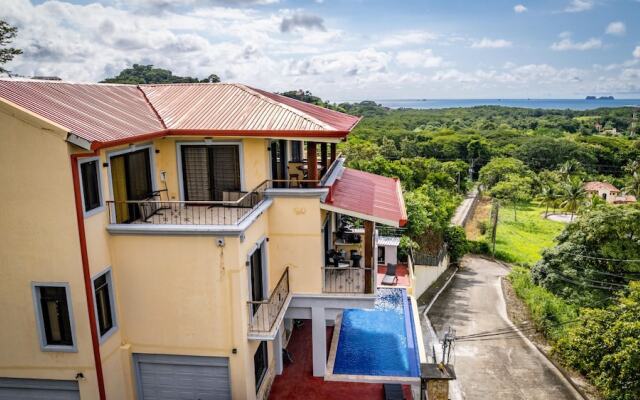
<point x="131" y="179"/>
<point x="208" y="171"/>
<point x="257" y="276"/>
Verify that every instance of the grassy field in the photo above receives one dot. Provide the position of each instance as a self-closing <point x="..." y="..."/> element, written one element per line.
<point x="523" y="241"/>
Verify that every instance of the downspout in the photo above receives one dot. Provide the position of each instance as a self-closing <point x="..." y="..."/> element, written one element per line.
<point x="85" y="270"/>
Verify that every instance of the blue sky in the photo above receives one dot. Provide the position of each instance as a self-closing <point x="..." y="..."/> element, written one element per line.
<point x="345" y="49"/>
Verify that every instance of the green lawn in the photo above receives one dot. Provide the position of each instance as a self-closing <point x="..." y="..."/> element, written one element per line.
<point x="523" y="241"/>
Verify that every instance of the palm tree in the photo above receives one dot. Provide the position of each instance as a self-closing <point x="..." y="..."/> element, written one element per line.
<point x="572" y="196"/>
<point x="633" y="186"/>
<point x="548" y="196"/>
<point x="633" y="168"/>
<point x="569" y="168"/>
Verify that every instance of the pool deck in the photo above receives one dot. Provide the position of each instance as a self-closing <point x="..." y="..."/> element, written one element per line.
<point x="297" y="380"/>
<point x="402" y="272"/>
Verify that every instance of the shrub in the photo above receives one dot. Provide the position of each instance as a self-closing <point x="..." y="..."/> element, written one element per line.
<point x="479" y="247"/>
<point x="456" y="241"/>
<point x="483" y="226"/>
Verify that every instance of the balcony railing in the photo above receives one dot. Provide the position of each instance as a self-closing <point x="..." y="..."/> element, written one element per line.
<point x="154" y="210"/>
<point x="264" y="313"/>
<point x="348" y="280"/>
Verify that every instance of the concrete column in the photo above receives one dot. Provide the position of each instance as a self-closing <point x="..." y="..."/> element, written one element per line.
<point x="334" y="154"/>
<point x="323" y="158"/>
<point x="312" y="163"/>
<point x="369" y="263"/>
<point x="319" y="340"/>
<point x="277" y="349"/>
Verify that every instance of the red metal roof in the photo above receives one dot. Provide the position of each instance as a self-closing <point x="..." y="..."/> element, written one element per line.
<point x="106" y="114"/>
<point x="97" y="113"/>
<point x="368" y="196"/>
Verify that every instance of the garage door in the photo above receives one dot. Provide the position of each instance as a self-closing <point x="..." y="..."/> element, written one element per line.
<point x="37" y="389"/>
<point x="166" y="377"/>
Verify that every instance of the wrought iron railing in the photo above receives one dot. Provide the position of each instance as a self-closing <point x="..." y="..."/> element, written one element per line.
<point x="352" y="280"/>
<point x="422" y="258"/>
<point x="264" y="313"/>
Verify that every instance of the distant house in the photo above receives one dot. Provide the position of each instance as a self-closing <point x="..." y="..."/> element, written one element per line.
<point x="608" y="192"/>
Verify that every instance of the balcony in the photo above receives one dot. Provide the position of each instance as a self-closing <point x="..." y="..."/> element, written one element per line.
<point x="265" y="316"/>
<point x="347" y="280"/>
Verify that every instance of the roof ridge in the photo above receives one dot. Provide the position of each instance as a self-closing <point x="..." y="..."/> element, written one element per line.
<point x="302" y="114"/>
<point x="153" y="108"/>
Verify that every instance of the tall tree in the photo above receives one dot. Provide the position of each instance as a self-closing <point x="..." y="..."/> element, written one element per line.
<point x="573" y="194"/>
<point x="549" y="197"/>
<point x="7" y="33"/>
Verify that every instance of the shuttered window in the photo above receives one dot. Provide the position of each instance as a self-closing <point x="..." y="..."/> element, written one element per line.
<point x="209" y="171"/>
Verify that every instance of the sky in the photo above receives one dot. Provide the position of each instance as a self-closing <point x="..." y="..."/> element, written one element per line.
<point x="344" y="49"/>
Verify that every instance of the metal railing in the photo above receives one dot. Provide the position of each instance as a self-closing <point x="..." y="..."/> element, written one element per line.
<point x="352" y="280"/>
<point x="154" y="210"/>
<point x="264" y="313"/>
<point x="422" y="258"/>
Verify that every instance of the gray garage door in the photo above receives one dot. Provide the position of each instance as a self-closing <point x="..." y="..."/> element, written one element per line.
<point x="165" y="377"/>
<point x="38" y="389"/>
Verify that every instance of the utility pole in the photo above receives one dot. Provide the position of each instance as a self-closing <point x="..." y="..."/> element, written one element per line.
<point x="495" y="209"/>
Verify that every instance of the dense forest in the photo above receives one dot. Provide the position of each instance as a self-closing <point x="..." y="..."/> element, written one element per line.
<point x="583" y="292"/>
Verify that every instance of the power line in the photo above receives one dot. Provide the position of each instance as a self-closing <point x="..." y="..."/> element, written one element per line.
<point x="603" y="258"/>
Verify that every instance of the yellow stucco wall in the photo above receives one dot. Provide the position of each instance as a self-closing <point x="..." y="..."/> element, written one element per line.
<point x="173" y="294"/>
<point x="296" y="242"/>
<point x="39" y="244"/>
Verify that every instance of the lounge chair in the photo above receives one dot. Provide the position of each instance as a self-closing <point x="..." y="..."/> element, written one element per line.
<point x="390" y="277"/>
<point x="393" y="391"/>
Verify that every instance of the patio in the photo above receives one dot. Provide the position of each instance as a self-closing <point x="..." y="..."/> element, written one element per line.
<point x="297" y="380"/>
<point x="402" y="272"/>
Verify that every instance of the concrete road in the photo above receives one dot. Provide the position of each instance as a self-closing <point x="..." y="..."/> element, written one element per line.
<point x="506" y="367"/>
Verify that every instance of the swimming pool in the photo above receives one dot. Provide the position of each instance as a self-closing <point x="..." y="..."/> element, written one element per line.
<point x="379" y="341"/>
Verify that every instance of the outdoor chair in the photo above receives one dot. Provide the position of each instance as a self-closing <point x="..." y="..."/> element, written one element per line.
<point x="390" y="277"/>
<point x="393" y="391"/>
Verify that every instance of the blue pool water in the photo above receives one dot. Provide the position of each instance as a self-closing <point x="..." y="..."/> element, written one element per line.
<point x="380" y="341"/>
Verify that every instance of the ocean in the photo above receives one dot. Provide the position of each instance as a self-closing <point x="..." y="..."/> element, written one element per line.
<point x="560" y="104"/>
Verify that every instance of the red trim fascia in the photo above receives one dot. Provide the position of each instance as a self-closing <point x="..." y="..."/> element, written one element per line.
<point x="403" y="208"/>
<point x="223" y="133"/>
<point x="85" y="270"/>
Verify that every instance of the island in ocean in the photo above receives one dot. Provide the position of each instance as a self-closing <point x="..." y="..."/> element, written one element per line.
<point x="599" y="98"/>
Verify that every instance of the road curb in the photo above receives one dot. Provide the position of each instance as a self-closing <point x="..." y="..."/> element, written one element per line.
<point x="557" y="367"/>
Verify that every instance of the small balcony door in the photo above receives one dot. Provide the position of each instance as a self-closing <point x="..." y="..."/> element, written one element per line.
<point x="131" y="180"/>
<point x="257" y="276"/>
<point x="279" y="163"/>
<point x="208" y="171"/>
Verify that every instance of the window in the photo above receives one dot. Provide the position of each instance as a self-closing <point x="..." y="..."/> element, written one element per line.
<point x="89" y="175"/>
<point x="105" y="307"/>
<point x="260" y="361"/>
<point x="54" y="317"/>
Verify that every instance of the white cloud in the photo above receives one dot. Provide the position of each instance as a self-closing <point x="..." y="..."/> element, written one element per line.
<point x="519" y="8"/>
<point x="636" y="52"/>
<point x="486" y="43"/>
<point x="419" y="59"/>
<point x="579" y="5"/>
<point x="302" y="21"/>
<point x="616" y="28"/>
<point x="405" y="38"/>
<point x="566" y="43"/>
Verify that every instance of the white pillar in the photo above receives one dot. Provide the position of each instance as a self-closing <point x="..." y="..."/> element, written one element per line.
<point x="277" y="348"/>
<point x="319" y="341"/>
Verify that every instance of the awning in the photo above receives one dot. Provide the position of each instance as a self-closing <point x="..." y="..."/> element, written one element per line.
<point x="367" y="196"/>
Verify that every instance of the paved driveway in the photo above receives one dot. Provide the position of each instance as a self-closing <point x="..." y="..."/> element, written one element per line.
<point x="498" y="368"/>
